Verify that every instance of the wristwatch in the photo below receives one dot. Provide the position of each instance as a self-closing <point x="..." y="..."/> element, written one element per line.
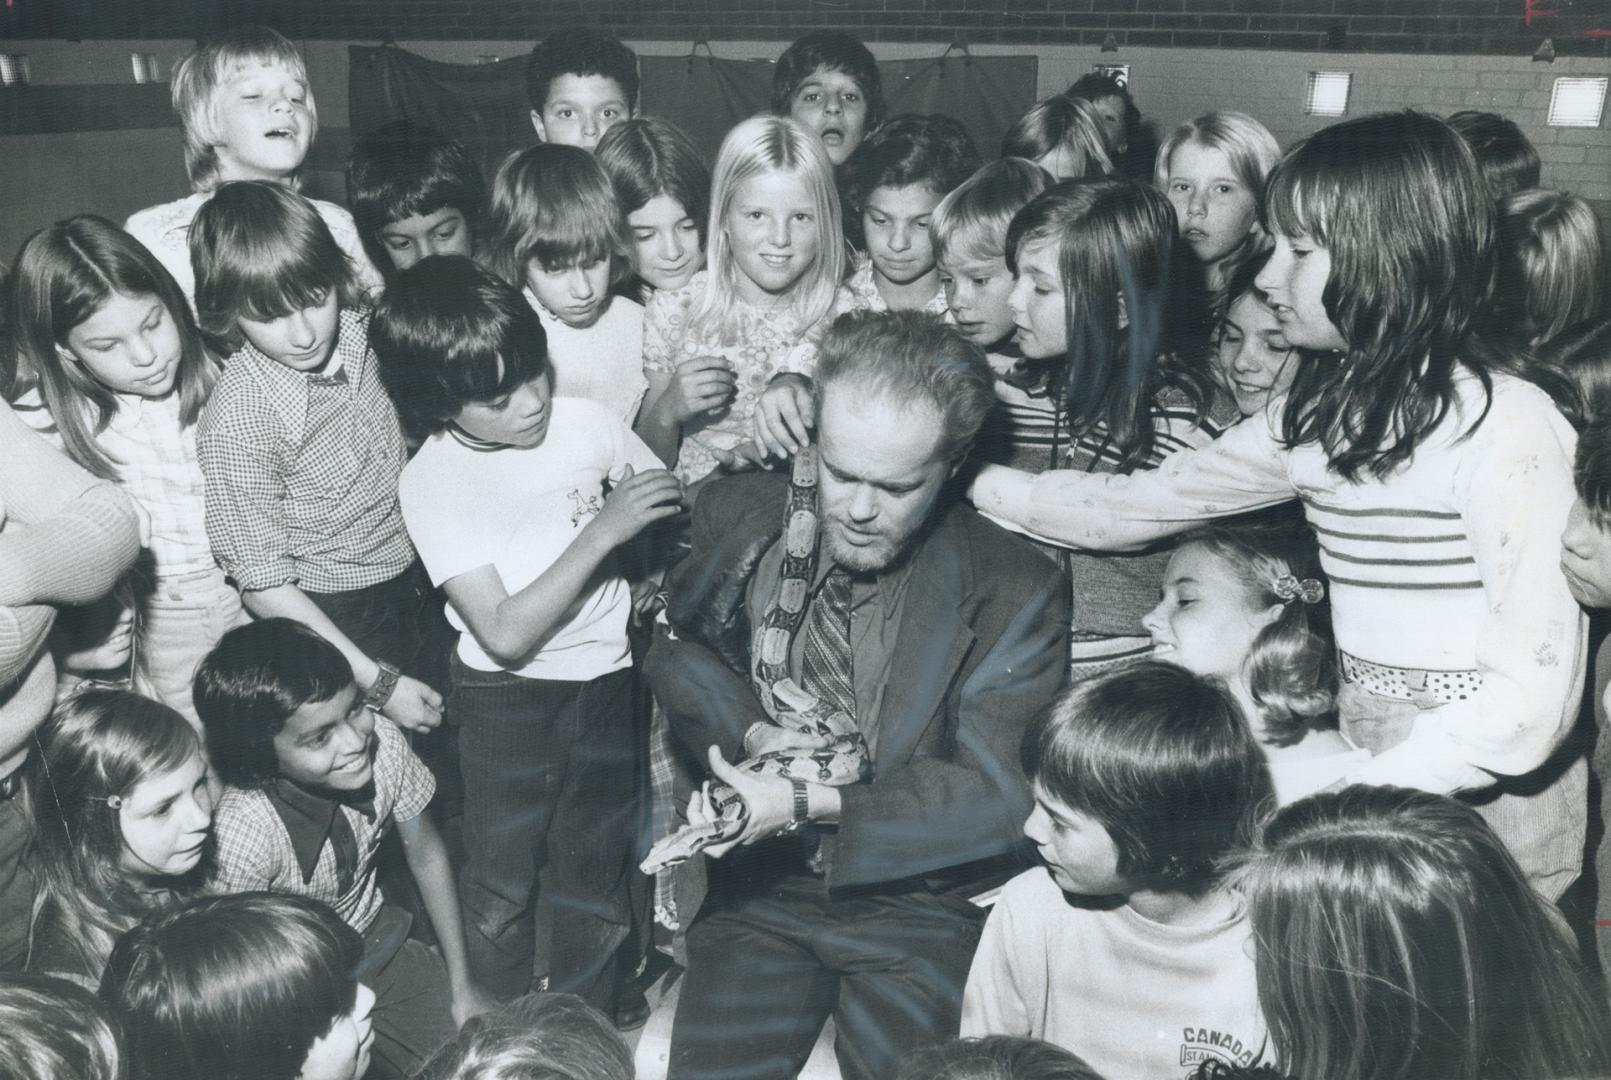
<point x="380" y="691"/>
<point x="802" y="806"/>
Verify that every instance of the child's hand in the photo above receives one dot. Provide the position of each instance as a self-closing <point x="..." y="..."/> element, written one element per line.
<point x="637" y="501"/>
<point x="413" y="705"/>
<point x="785" y="415"/>
<point x="470" y="1000"/>
<point x="702" y="384"/>
<point x="645" y="599"/>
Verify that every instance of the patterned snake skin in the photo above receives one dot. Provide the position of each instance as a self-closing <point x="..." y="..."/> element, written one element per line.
<point x="845" y="760"/>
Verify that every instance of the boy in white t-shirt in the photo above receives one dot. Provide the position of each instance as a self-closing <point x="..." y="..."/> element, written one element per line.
<point x="1126" y="948"/>
<point x="516" y="502"/>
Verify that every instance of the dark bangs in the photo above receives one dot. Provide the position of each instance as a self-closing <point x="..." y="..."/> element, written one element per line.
<point x="1399" y="204"/>
<point x="261" y="252"/>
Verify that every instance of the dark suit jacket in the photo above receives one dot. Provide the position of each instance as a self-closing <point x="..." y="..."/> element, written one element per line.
<point x="982" y="647"/>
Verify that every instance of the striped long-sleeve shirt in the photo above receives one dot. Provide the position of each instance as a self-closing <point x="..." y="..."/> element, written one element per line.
<point x="1449" y="563"/>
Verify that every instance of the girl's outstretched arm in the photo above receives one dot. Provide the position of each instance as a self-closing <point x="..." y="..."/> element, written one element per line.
<point x="1244" y="469"/>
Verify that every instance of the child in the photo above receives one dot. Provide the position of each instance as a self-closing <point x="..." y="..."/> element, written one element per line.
<point x="557" y="231"/>
<point x="315" y="781"/>
<point x="994" y="1057"/>
<point x="248" y="114"/>
<point x="251" y="987"/>
<point x="121" y="377"/>
<point x="551" y="1036"/>
<point x="1092" y="299"/>
<point x="1436" y="482"/>
<point x="1121" y="120"/>
<point x="1251" y="359"/>
<point x="1246" y="605"/>
<point x="1395" y="936"/>
<point x="299" y="445"/>
<point x="1581" y="355"/>
<point x="1552" y="271"/>
<point x="414" y="192"/>
<point x="1213" y="169"/>
<point x="1508" y="160"/>
<point x="1062" y="136"/>
<point x="65" y="538"/>
<point x="663" y="187"/>
<point x="776" y="259"/>
<point x="829" y="82"/>
<point x="123" y="816"/>
<point x="1127" y="948"/>
<point x="517" y="500"/>
<point x="890" y="187"/>
<point x="969" y="234"/>
<point x="579" y="82"/>
<point x="54" y="1030"/>
<point x="1586" y="564"/>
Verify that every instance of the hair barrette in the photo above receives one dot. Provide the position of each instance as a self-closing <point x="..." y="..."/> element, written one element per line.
<point x="115" y="802"/>
<point x="1289" y="588"/>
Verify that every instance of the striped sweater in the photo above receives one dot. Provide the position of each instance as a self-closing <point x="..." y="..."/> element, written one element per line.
<point x="1449" y="563"/>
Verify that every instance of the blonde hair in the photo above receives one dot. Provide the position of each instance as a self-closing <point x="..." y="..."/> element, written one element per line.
<point x="1062" y="122"/>
<point x="1247" y="144"/>
<point x="200" y="75"/>
<point x="756" y="147"/>
<point x="1288" y="669"/>
<point x="1552" y="269"/>
<point x="971" y="222"/>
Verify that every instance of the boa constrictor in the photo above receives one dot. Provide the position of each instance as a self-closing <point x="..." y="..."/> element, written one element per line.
<point x="845" y="759"/>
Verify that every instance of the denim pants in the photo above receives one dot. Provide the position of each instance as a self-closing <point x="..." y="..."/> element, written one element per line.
<point x="1542" y="816"/>
<point x="181" y="620"/>
<point x="550" y="800"/>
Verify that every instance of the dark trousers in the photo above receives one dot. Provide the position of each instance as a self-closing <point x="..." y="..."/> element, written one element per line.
<point x="550" y="796"/>
<point x="773" y="955"/>
<point x="413" y="1015"/>
<point x="400" y="620"/>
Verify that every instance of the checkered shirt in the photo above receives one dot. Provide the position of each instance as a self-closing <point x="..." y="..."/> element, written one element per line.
<point x="302" y="471"/>
<point x="254" y="849"/>
<point x="157" y="465"/>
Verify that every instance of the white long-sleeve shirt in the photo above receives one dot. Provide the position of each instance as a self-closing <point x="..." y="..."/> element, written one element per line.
<point x="1450" y="562"/>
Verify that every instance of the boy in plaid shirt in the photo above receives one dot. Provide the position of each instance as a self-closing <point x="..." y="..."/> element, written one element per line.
<point x="315" y="780"/>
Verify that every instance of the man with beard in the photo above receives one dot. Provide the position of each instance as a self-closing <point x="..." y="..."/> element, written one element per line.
<point x="934" y="636"/>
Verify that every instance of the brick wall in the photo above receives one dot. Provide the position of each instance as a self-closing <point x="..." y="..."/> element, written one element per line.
<point x="46" y="177"/>
<point x="1483" y="27"/>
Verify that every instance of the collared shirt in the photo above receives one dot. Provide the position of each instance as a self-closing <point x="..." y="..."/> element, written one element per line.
<point x="157" y="465"/>
<point x="866" y="297"/>
<point x="876" y="604"/>
<point x="312" y="820"/>
<point x="256" y="850"/>
<point x="302" y="471"/>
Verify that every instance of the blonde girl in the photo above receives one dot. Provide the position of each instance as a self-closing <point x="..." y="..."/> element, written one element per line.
<point x="775" y="259"/>
<point x="1213" y="169"/>
<point x="1247" y="605"/>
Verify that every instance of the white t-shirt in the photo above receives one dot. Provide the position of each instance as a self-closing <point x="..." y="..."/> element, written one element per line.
<point x="518" y="510"/>
<point x="602" y="362"/>
<point x="1138" y="1000"/>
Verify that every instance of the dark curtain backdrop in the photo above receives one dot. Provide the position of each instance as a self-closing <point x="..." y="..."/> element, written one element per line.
<point x="484" y="105"/>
